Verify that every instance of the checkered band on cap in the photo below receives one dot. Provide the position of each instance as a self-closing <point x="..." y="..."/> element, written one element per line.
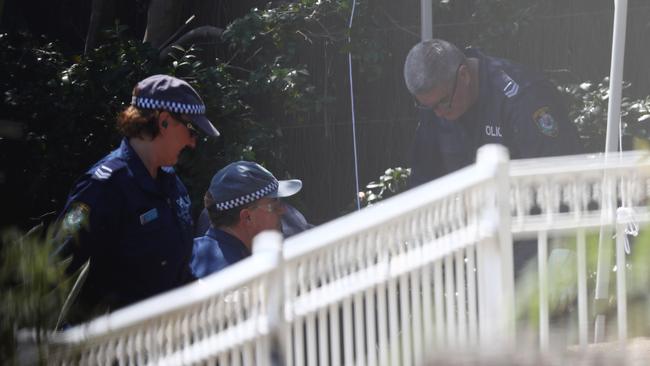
<point x="240" y="201"/>
<point x="176" y="107"/>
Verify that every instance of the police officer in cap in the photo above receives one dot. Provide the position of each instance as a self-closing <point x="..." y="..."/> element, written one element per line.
<point x="468" y="99"/>
<point x="243" y="200"/>
<point x="127" y="219"/>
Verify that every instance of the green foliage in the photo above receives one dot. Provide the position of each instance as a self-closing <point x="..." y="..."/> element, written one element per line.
<point x="67" y="106"/>
<point x="588" y="103"/>
<point x="563" y="280"/>
<point x="392" y="182"/>
<point x="501" y="19"/>
<point x="33" y="288"/>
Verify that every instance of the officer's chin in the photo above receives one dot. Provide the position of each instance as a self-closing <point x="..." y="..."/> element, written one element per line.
<point x="451" y="116"/>
<point x="185" y="155"/>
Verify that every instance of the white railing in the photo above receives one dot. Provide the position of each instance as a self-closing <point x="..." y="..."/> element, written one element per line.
<point x="221" y="318"/>
<point x="428" y="270"/>
<point x="565" y="200"/>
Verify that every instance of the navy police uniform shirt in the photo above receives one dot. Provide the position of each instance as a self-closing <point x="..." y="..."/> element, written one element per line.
<point x="216" y="251"/>
<point x="136" y="230"/>
<point x="516" y="107"/>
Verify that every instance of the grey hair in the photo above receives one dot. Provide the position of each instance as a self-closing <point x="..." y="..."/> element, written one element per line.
<point x="430" y="64"/>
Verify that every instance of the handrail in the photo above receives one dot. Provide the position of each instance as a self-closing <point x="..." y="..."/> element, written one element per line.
<point x="167" y="303"/>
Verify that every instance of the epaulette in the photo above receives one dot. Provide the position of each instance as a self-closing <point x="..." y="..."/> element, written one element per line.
<point x="510" y="87"/>
<point x="104" y="170"/>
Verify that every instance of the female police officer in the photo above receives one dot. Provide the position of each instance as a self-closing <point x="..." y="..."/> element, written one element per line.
<point x="128" y="216"/>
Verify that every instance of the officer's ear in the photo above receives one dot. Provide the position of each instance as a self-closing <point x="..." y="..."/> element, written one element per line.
<point x="245" y="215"/>
<point x="464" y="74"/>
<point x="163" y="120"/>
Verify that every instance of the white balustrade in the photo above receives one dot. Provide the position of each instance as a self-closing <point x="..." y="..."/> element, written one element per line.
<point x="428" y="270"/>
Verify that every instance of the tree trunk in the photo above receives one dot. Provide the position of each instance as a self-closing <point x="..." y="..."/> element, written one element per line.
<point x="96" y="12"/>
<point x="163" y="17"/>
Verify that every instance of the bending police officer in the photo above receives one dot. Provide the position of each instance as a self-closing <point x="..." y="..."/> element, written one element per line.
<point x="468" y="99"/>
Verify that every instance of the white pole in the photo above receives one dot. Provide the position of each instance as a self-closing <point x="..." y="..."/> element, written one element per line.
<point x="616" y="76"/>
<point x="611" y="145"/>
<point x="426" y="17"/>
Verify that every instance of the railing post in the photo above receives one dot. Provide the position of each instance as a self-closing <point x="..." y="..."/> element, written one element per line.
<point x="271" y="351"/>
<point x="621" y="287"/>
<point x="495" y="260"/>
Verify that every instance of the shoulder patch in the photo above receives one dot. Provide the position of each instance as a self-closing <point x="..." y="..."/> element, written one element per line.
<point x="104" y="170"/>
<point x="545" y="122"/>
<point x="510" y="86"/>
<point x="77" y="217"/>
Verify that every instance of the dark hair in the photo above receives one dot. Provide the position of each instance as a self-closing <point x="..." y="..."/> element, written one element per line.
<point x="136" y="122"/>
<point x="222" y="218"/>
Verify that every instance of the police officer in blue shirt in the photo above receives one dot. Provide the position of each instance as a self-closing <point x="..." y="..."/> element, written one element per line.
<point x="468" y="99"/>
<point x="243" y="200"/>
<point x="127" y="219"/>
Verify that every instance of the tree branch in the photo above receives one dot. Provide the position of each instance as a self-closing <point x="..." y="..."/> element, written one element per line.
<point x="206" y="31"/>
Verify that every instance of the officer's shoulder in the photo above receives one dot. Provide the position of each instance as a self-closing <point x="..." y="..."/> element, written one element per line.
<point x="106" y="169"/>
<point x="510" y="78"/>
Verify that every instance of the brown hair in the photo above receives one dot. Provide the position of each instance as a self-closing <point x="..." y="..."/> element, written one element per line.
<point x="136" y="122"/>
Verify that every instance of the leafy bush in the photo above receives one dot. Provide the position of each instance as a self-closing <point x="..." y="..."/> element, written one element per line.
<point x="588" y="103"/>
<point x="392" y="182"/>
<point x="67" y="105"/>
<point x="33" y="288"/>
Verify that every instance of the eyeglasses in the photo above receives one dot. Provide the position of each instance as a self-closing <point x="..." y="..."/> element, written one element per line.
<point x="275" y="206"/>
<point x="188" y="124"/>
<point x="446" y="101"/>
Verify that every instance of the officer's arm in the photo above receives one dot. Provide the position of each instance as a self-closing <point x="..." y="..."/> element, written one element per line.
<point x="540" y="125"/>
<point x="89" y="221"/>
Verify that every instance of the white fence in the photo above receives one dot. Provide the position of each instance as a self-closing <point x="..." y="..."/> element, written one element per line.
<point x="428" y="270"/>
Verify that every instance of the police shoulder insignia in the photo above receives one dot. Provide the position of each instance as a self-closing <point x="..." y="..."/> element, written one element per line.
<point x="545" y="122"/>
<point x="106" y="169"/>
<point x="77" y="217"/>
<point x="510" y="87"/>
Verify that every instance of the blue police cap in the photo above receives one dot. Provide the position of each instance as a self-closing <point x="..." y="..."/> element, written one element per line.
<point x="174" y="95"/>
<point x="243" y="182"/>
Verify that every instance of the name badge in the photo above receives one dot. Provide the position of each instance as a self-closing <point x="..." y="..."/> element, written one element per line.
<point x="148" y="216"/>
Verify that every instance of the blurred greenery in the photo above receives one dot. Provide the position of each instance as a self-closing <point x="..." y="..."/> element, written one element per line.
<point x="563" y="290"/>
<point x="33" y="288"/>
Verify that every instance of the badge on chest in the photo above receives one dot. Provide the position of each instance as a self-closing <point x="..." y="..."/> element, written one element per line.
<point x="493" y="130"/>
<point x="148" y="216"/>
